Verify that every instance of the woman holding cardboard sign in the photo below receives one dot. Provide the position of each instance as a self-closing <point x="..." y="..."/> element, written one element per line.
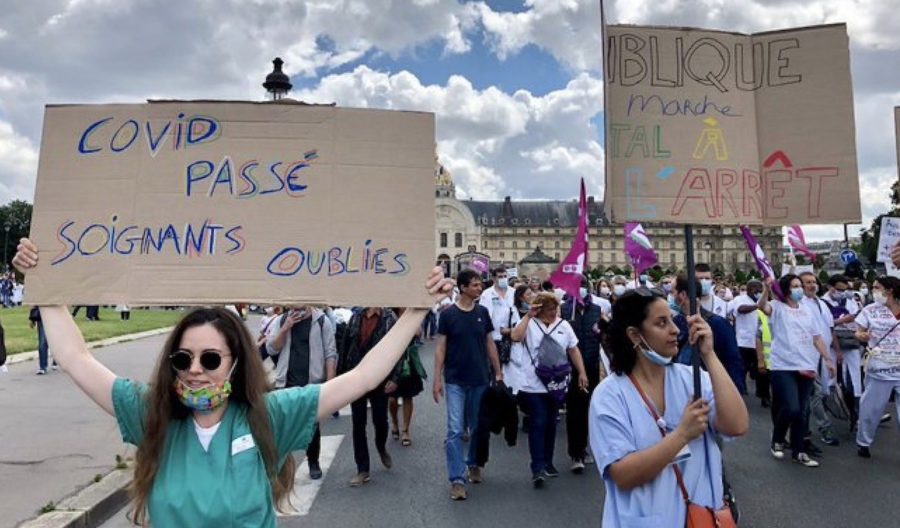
<point x="214" y="445"/>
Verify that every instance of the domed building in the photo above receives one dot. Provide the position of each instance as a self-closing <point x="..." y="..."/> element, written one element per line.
<point x="509" y="231"/>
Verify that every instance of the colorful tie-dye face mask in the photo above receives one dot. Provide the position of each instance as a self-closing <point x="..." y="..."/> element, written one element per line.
<point x="204" y="399"/>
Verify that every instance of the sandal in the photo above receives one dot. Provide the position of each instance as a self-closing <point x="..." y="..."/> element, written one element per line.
<point x="407" y="441"/>
<point x="395" y="434"/>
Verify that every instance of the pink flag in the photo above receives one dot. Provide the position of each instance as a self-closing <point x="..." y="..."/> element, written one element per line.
<point x="567" y="276"/>
<point x="762" y="263"/>
<point x="797" y="241"/>
<point x="638" y="248"/>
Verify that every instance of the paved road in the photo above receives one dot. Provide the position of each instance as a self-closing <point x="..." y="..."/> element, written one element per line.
<point x="845" y="491"/>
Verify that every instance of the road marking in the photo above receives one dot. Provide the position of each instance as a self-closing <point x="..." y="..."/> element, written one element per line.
<point x="306" y="489"/>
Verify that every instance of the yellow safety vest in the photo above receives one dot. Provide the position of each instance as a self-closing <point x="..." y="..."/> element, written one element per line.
<point x="766" y="337"/>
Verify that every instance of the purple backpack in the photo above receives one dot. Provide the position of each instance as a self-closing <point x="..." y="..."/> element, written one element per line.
<point x="551" y="364"/>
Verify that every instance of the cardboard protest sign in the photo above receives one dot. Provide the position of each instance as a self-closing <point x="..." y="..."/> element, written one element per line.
<point x="888" y="237"/>
<point x="218" y="202"/>
<point x="711" y="127"/>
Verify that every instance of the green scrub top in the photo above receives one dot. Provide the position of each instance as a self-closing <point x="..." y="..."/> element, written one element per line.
<point x="227" y="485"/>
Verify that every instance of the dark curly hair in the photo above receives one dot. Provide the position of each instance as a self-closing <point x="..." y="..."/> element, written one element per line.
<point x="630" y="310"/>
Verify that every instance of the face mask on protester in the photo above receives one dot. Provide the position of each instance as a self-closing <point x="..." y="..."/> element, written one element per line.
<point x="797" y="294"/>
<point x="619" y="290"/>
<point x="754" y="296"/>
<point x="864" y="291"/>
<point x="705" y="286"/>
<point x="604" y="291"/>
<point x="503" y="283"/>
<point x="673" y="304"/>
<point x="667" y="287"/>
<point x="653" y="356"/>
<point x="644" y="278"/>
<point x="879" y="297"/>
<point x="207" y="398"/>
<point x="582" y="292"/>
<point x="524" y="306"/>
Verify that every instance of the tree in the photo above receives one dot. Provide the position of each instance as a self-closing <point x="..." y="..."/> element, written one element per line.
<point x="870" y="236"/>
<point x="15" y="220"/>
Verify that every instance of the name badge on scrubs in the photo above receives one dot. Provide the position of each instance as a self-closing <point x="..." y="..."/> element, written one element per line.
<point x="241" y="444"/>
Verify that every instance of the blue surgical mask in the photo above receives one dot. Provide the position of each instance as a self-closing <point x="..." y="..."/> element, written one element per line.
<point x="524" y="306"/>
<point x="644" y="278"/>
<point x="705" y="286"/>
<point x="503" y="283"/>
<point x="673" y="305"/>
<point x="653" y="356"/>
<point x="797" y="294"/>
<point x="582" y="292"/>
<point x="667" y="287"/>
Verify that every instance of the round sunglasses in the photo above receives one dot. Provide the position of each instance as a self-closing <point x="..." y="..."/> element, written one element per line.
<point x="209" y="360"/>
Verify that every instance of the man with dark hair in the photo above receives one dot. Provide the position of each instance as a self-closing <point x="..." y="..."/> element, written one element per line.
<point x="843" y="309"/>
<point x="746" y="324"/>
<point x="586" y="322"/>
<point x="464" y="349"/>
<point x="366" y="328"/>
<point x="724" y="341"/>
<point x="708" y="298"/>
<point x="500" y="303"/>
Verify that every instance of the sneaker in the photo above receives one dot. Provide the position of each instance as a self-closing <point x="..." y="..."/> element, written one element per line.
<point x="474" y="475"/>
<point x="804" y="460"/>
<point x="885" y="418"/>
<point x="863" y="451"/>
<point x="777" y="450"/>
<point x="830" y="440"/>
<point x="577" y="466"/>
<point x="551" y="471"/>
<point x="361" y="478"/>
<point x="41" y="372"/>
<point x="4" y="368"/>
<point x="457" y="492"/>
<point x="537" y="479"/>
<point x="315" y="472"/>
<point x="588" y="460"/>
<point x="54" y="366"/>
<point x="386" y="459"/>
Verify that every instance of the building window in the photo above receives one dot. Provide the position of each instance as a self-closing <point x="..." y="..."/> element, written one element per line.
<point x="502" y="244"/>
<point x="528" y="244"/>
<point x="484" y="244"/>
<point x="443" y="240"/>
<point x="515" y="244"/>
<point x="600" y="244"/>
<point x="557" y="244"/>
<point x="556" y="255"/>
<point x="457" y="239"/>
<point x="515" y="255"/>
<point x="528" y="231"/>
<point x="540" y="231"/>
<point x="672" y="258"/>
<point x="556" y="231"/>
<point x="502" y="254"/>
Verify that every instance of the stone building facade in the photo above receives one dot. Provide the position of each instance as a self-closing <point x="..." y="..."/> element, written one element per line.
<point x="508" y="231"/>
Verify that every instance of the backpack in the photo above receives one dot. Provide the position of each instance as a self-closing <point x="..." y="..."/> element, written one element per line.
<point x="551" y="364"/>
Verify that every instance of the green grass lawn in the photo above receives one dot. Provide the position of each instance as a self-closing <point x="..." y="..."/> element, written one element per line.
<point x="22" y="338"/>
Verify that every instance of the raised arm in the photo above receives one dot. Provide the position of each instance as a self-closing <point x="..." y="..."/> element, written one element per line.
<point x="378" y="363"/>
<point x="763" y="302"/>
<point x="67" y="343"/>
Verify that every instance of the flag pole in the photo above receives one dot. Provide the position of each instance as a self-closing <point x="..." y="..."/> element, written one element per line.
<point x="692" y="298"/>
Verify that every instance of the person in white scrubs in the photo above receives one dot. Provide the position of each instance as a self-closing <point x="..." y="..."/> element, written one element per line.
<point x="644" y="422"/>
<point x="879" y="325"/>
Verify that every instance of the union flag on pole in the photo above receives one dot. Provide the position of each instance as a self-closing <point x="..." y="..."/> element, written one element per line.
<point x="567" y="276"/>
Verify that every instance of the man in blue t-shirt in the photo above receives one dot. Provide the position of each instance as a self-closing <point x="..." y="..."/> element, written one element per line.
<point x="464" y="348"/>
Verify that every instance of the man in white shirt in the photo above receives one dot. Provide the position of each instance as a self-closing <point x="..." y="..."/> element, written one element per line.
<point x="746" y="323"/>
<point x="500" y="303"/>
<point x="824" y="320"/>
<point x="708" y="300"/>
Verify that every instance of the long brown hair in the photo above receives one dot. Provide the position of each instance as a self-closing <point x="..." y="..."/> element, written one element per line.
<point x="249" y="387"/>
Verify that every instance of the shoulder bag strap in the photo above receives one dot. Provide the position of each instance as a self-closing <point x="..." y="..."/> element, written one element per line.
<point x="886" y="334"/>
<point x="652" y="409"/>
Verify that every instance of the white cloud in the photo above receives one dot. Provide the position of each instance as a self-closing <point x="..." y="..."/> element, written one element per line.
<point x="494" y="144"/>
<point x="18" y="164"/>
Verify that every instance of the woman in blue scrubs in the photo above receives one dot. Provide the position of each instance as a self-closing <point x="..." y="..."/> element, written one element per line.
<point x="214" y="444"/>
<point x="633" y="456"/>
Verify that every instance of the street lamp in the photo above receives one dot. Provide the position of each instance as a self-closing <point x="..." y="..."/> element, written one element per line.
<point x="708" y="246"/>
<point x="277" y="83"/>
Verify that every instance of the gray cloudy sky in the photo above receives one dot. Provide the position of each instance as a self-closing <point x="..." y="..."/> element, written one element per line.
<point x="516" y="85"/>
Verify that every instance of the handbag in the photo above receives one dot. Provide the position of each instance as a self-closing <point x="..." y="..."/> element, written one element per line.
<point x="697" y="516"/>
<point x="874" y="350"/>
<point x="504" y="346"/>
